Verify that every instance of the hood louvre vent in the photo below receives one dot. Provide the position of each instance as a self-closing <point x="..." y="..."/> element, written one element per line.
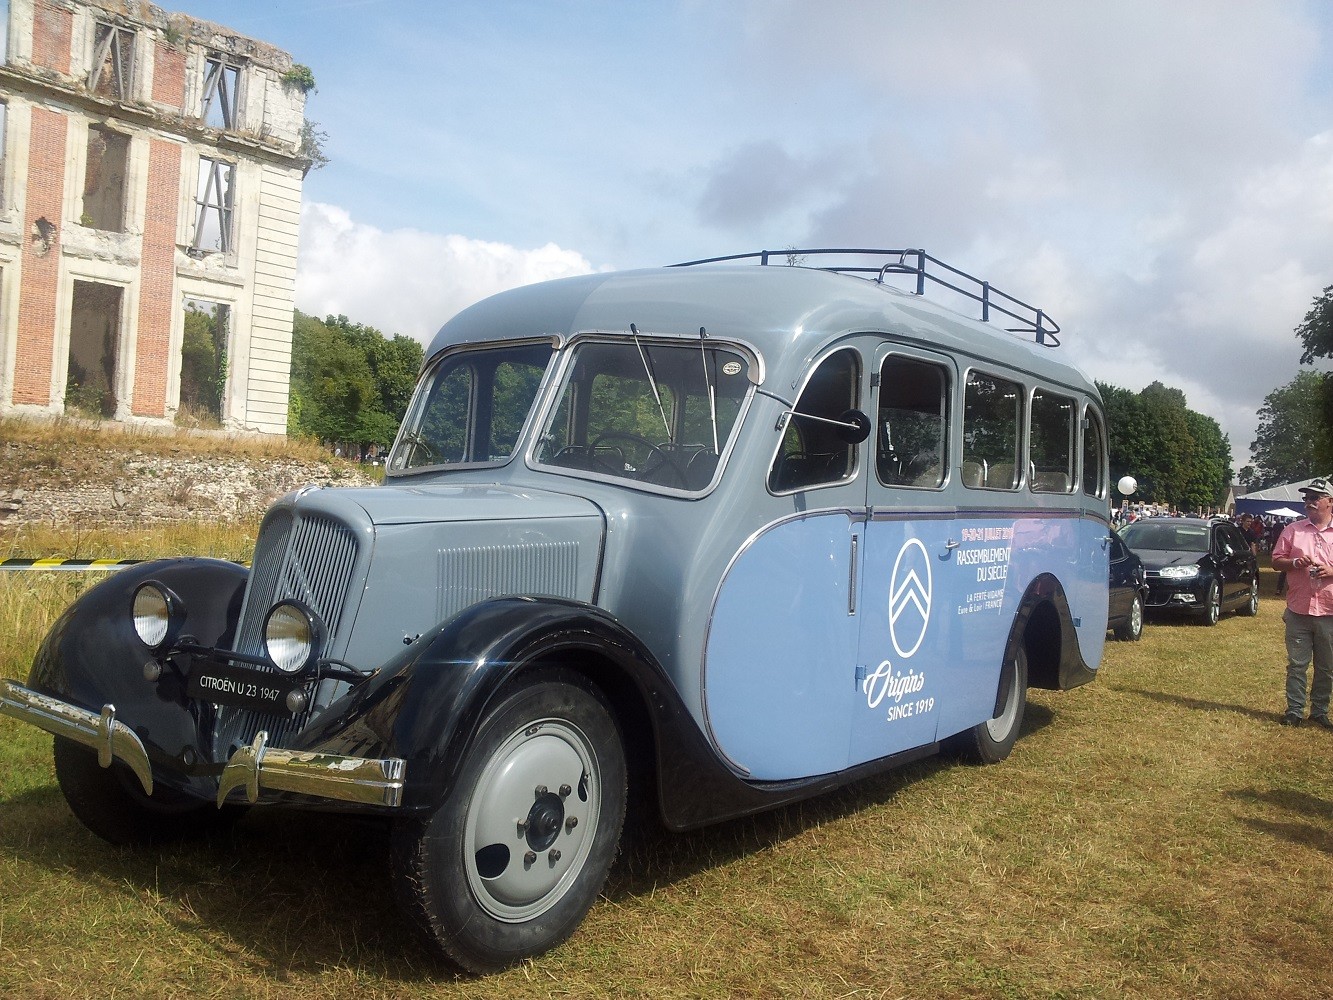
<point x="467" y="576"/>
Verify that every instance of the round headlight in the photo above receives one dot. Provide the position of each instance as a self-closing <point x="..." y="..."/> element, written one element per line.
<point x="152" y="614"/>
<point x="291" y="636"/>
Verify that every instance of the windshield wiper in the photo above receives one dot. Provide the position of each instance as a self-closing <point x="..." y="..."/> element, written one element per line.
<point x="712" y="392"/>
<point x="652" y="382"/>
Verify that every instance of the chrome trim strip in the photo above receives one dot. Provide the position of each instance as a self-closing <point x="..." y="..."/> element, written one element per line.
<point x="110" y="738"/>
<point x="327" y="775"/>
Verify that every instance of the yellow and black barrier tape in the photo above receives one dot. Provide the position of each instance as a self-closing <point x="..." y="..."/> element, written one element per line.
<point x="48" y="565"/>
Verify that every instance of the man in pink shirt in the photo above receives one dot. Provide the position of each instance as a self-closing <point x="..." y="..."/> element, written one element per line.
<point x="1304" y="552"/>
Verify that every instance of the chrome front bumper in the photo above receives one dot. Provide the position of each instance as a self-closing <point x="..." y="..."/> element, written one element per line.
<point x="255" y="768"/>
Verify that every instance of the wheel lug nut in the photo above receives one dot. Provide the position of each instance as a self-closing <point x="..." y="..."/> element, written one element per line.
<point x="570" y="823"/>
<point x="539" y="792"/>
<point x="564" y="791"/>
<point x="553" y="856"/>
<point x="530" y="858"/>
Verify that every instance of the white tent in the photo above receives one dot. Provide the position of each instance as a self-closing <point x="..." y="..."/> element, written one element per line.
<point x="1264" y="501"/>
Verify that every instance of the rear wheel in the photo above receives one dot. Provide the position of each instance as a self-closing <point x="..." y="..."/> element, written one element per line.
<point x="111" y="803"/>
<point x="992" y="740"/>
<point x="508" y="865"/>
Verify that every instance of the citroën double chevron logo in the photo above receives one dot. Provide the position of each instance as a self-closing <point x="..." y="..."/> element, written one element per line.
<point x="909" y="598"/>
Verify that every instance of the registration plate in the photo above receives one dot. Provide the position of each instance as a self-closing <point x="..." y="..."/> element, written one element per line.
<point x="241" y="687"/>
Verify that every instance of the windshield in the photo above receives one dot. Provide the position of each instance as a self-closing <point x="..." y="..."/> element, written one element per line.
<point x="470" y="407"/>
<point x="1166" y="536"/>
<point x="647" y="411"/>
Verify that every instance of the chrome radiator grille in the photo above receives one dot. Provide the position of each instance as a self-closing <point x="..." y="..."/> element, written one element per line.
<point x="309" y="558"/>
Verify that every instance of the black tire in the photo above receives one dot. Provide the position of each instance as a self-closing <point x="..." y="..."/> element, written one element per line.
<point x="1131" y="630"/>
<point x="111" y="803"/>
<point x="488" y="891"/>
<point x="1251" y="606"/>
<point x="992" y="740"/>
<point x="1212" y="608"/>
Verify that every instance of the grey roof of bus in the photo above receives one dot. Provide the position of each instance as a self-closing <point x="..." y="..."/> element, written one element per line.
<point x="786" y="313"/>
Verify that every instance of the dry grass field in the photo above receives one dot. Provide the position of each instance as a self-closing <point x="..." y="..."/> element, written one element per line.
<point x="1154" y="834"/>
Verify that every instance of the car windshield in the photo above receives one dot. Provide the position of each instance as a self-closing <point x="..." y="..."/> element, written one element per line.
<point x="646" y="411"/>
<point x="470" y="407"/>
<point x="1166" y="536"/>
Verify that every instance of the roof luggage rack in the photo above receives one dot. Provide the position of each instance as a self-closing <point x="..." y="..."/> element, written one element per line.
<point x="1031" y="320"/>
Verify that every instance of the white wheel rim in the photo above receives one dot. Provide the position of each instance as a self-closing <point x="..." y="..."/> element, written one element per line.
<point x="1000" y="726"/>
<point x="531" y="821"/>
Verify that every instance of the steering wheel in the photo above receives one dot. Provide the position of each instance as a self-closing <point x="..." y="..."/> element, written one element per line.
<point x="657" y="458"/>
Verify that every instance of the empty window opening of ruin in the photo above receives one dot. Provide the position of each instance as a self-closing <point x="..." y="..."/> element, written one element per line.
<point x="112" y="74"/>
<point x="104" y="180"/>
<point x="204" y="364"/>
<point x="213" y="200"/>
<point x="94" y="350"/>
<point x="222" y="91"/>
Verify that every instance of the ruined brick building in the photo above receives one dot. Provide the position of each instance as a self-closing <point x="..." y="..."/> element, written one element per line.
<point x="150" y="187"/>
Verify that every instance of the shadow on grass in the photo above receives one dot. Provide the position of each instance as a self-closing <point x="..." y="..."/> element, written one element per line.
<point x="1200" y="704"/>
<point x="652" y="857"/>
<point x="1310" y="828"/>
<point x="288" y="894"/>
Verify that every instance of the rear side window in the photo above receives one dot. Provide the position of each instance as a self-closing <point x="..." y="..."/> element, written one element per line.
<point x="992" y="422"/>
<point x="912" y="423"/>
<point x="1052" y="442"/>
<point x="1094" y="454"/>
<point x="812" y="453"/>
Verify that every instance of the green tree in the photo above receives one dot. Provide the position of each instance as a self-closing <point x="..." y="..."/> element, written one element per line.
<point x="1316" y="330"/>
<point x="1293" y="441"/>
<point x="1179" y="457"/>
<point x="349" y="382"/>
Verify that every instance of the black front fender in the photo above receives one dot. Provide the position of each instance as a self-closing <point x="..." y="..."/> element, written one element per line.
<point x="92" y="656"/>
<point x="425" y="705"/>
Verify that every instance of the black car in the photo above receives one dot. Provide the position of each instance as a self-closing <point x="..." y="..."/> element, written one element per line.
<point x="1196" y="566"/>
<point x="1128" y="594"/>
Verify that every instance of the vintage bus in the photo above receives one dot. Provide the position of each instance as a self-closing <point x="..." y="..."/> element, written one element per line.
<point x="735" y="533"/>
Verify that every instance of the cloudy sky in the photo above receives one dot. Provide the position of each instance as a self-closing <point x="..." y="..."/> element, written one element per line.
<point x="1157" y="176"/>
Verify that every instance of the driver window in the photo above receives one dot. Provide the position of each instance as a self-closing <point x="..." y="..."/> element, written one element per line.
<point x="812" y="453"/>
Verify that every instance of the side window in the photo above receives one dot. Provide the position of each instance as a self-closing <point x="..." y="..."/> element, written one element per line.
<point x="812" y="454"/>
<point x="112" y="73"/>
<point x="1051" y="443"/>
<point x="1094" y="454"/>
<point x="992" y="420"/>
<point x="912" y="423"/>
<point x="214" y="201"/>
<point x="222" y="92"/>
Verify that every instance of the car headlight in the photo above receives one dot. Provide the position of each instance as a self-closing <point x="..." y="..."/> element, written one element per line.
<point x="1179" y="572"/>
<point x="293" y="636"/>
<point x="157" y="613"/>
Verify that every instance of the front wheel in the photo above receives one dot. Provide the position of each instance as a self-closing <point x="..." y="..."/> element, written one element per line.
<point x="992" y="740"/>
<point x="1132" y="628"/>
<point x="1251" y="606"/>
<point x="1212" y="609"/>
<point x="111" y="803"/>
<point x="508" y="865"/>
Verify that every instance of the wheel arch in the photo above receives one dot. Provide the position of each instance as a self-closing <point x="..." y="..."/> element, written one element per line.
<point x="1045" y="628"/>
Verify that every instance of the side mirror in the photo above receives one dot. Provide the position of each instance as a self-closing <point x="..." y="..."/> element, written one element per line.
<point x="854" y="427"/>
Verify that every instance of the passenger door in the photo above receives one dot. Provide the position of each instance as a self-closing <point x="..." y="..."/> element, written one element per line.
<point x="781" y="648"/>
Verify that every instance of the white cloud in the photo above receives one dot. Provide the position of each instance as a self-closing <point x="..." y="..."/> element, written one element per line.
<point x="407" y="281"/>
